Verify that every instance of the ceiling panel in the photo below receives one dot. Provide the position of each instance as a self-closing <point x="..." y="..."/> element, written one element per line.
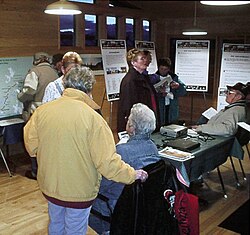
<point x="183" y="9"/>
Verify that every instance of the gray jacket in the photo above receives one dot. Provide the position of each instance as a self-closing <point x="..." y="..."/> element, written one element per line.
<point x="225" y="121"/>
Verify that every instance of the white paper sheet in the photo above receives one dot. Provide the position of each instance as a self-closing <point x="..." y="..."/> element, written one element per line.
<point x="209" y="113"/>
<point x="244" y="125"/>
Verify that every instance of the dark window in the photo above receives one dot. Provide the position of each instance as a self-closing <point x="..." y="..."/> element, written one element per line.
<point x="111" y="27"/>
<point x="146" y="30"/>
<point x="130" y="32"/>
<point x="91" y="36"/>
<point x="67" y="30"/>
<point x="83" y="1"/>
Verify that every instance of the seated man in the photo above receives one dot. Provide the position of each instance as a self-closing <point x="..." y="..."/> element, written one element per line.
<point x="225" y="121"/>
<point x="138" y="152"/>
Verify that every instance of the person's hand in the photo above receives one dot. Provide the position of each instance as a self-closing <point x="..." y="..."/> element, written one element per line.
<point x="141" y="175"/>
<point x="174" y="85"/>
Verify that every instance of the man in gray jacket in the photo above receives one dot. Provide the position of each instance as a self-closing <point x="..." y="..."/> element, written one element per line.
<point x="225" y="121"/>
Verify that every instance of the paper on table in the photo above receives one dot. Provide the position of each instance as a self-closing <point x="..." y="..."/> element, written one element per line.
<point x="175" y="154"/>
<point x="8" y="122"/>
<point x="244" y="125"/>
<point x="209" y="113"/>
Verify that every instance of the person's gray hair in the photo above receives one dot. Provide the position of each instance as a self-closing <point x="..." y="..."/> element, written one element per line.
<point x="142" y="118"/>
<point x="79" y="77"/>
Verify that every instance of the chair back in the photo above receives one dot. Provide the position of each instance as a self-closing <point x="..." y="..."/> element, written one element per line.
<point x="142" y="209"/>
<point x="242" y="134"/>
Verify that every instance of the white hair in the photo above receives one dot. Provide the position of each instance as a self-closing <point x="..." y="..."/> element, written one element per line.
<point x="142" y="118"/>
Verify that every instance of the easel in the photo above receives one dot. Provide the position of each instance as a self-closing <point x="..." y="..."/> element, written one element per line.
<point x="192" y="105"/>
<point x="104" y="97"/>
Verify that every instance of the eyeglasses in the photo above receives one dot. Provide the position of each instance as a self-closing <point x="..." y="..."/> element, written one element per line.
<point x="228" y="92"/>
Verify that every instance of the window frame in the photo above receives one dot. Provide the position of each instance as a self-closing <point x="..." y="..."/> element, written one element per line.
<point x="134" y="33"/>
<point x="96" y="37"/>
<point x="116" y="26"/>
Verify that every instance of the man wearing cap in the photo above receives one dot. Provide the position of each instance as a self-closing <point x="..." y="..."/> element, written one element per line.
<point x="225" y="121"/>
<point x="32" y="92"/>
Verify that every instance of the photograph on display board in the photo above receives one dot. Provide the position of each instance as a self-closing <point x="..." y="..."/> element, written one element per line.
<point x="94" y="62"/>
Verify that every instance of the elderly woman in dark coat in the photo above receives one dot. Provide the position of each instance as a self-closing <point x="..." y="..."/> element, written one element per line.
<point x="135" y="88"/>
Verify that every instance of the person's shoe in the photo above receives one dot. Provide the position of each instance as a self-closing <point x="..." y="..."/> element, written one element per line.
<point x="29" y="174"/>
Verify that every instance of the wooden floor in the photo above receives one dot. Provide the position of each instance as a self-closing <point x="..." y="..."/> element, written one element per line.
<point x="23" y="209"/>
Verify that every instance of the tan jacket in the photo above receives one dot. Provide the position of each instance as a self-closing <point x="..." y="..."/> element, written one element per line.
<point x="74" y="147"/>
<point x="225" y="121"/>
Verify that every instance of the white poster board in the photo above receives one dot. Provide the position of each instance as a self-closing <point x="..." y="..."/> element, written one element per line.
<point x="114" y="65"/>
<point x="12" y="74"/>
<point x="235" y="67"/>
<point x="149" y="46"/>
<point x="192" y="63"/>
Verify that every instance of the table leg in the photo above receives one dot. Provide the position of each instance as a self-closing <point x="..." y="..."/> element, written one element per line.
<point x="222" y="183"/>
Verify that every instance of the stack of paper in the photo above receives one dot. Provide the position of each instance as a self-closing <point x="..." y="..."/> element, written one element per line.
<point x="163" y="82"/>
<point x="175" y="154"/>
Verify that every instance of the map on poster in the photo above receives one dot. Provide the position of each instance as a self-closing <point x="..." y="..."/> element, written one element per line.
<point x="12" y="74"/>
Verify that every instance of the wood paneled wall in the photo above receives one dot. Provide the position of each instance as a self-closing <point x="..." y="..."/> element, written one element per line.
<point x="25" y="29"/>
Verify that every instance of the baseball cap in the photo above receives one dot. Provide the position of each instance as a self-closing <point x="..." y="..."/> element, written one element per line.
<point x="41" y="55"/>
<point x="239" y="87"/>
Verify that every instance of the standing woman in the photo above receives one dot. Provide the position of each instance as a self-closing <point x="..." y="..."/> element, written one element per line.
<point x="168" y="95"/>
<point x="135" y="88"/>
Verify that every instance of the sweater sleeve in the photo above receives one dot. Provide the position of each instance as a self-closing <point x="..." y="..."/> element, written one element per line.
<point x="29" y="87"/>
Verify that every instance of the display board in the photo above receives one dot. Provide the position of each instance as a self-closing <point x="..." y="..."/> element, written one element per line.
<point x="149" y="46"/>
<point x="12" y="74"/>
<point x="192" y="63"/>
<point x="235" y="67"/>
<point x="114" y="64"/>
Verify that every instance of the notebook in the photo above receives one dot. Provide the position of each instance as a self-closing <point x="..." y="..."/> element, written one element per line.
<point x="183" y="144"/>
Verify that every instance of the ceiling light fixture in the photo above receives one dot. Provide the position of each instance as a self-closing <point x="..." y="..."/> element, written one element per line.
<point x="224" y="3"/>
<point x="194" y="31"/>
<point x="62" y="7"/>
